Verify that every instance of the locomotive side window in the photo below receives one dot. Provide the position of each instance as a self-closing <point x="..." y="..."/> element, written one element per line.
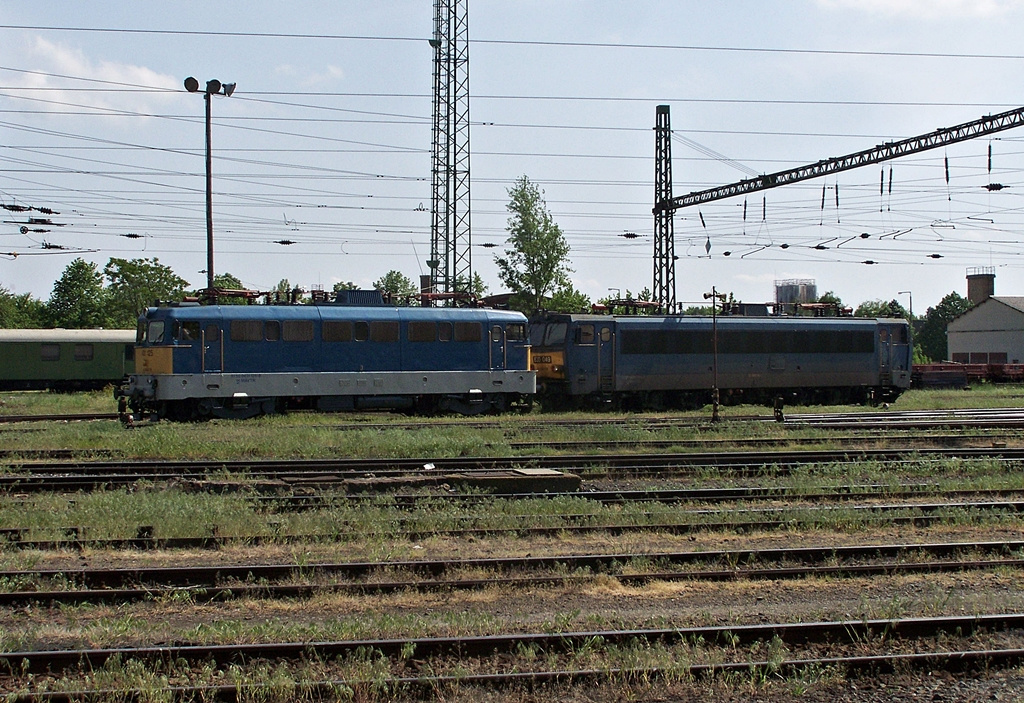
<point x="496" y="334"/>
<point x="585" y="334"/>
<point x="188" y="331"/>
<point x="212" y="333"/>
<point x="246" y="330"/>
<point x="468" y="332"/>
<point x="297" y="331"/>
<point x="272" y="330"/>
<point x="606" y="334"/>
<point x="384" y="331"/>
<point x="361" y="331"/>
<point x="83" y="352"/>
<point x="444" y="332"/>
<point x="422" y="331"/>
<point x="515" y="332"/>
<point x="140" y="333"/>
<point x="49" y="352"/>
<point x="337" y="331"/>
<point x="552" y="334"/>
<point x="155" y="333"/>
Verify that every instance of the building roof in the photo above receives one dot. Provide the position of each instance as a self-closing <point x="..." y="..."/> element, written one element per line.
<point x="1015" y="302"/>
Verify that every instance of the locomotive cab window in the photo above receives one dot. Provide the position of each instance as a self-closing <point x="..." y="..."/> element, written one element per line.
<point x="155" y="333"/>
<point x="606" y="334"/>
<point x="585" y="334"/>
<point x="212" y="333"/>
<point x="515" y="332"/>
<point x="496" y="334"/>
<point x="188" y="331"/>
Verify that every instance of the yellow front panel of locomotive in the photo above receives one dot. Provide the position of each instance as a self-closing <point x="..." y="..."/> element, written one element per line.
<point x="154" y="360"/>
<point x="548" y="364"/>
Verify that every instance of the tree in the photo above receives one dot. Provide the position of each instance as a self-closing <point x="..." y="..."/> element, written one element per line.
<point x="135" y="284"/>
<point x="931" y="336"/>
<point x="78" y="299"/>
<point x="340" y="285"/>
<point x="831" y="297"/>
<point x="536" y="262"/>
<point x="21" y="311"/>
<point x="881" y="308"/>
<point x="396" y="283"/>
<point x="568" y="299"/>
<point x="226" y="281"/>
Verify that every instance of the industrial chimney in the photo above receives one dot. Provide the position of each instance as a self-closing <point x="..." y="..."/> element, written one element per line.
<point x="981" y="283"/>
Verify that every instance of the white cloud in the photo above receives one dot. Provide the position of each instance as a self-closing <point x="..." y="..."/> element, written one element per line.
<point x="927" y="9"/>
<point x="50" y="62"/>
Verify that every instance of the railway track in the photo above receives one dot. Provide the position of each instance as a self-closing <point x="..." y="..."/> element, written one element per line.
<point x="203" y="583"/>
<point x="499" y="659"/>
<point x="71" y="476"/>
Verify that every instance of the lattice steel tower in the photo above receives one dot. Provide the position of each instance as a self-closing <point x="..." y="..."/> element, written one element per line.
<point x="664" y="224"/>
<point x="451" y="266"/>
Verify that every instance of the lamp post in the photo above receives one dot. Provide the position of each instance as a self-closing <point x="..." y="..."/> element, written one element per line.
<point x="911" y="301"/>
<point x="213" y="87"/>
<point x="715" y="296"/>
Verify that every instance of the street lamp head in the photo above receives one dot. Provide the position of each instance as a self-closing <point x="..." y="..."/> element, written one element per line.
<point x="212" y="86"/>
<point x="229" y="88"/>
<point x="191" y="84"/>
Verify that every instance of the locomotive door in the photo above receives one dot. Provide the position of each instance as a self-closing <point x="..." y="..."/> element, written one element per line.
<point x="213" y="349"/>
<point x="605" y="358"/>
<point x="884" y="351"/>
<point x="497" y="352"/>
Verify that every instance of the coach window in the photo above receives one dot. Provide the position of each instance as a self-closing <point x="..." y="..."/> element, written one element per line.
<point x="49" y="352"/>
<point x="585" y="334"/>
<point x="83" y="352"/>
<point x="384" y="331"/>
<point x="444" y="331"/>
<point x="272" y="330"/>
<point x="155" y="334"/>
<point x="422" y="331"/>
<point x="515" y="332"/>
<point x="297" y="331"/>
<point x="468" y="332"/>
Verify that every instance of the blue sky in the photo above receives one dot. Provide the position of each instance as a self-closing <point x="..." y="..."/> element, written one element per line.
<point x="326" y="141"/>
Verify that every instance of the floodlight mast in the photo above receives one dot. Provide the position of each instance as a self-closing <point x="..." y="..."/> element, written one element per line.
<point x="213" y="87"/>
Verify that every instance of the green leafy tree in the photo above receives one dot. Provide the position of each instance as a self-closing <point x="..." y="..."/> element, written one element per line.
<point x="568" y="299"/>
<point x="21" y="311"/>
<point x="478" y="289"/>
<point x="78" y="299"/>
<point x="226" y="281"/>
<point x="536" y="263"/>
<point x="881" y="308"/>
<point x="931" y="336"/>
<point x="396" y="283"/>
<point x="135" y="284"/>
<point x="340" y="285"/>
<point x="830" y="297"/>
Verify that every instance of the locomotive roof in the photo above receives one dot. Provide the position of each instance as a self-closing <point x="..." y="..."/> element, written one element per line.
<point x="331" y="312"/>
<point x="65" y="335"/>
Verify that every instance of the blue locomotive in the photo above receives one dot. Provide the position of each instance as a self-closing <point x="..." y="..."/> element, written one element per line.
<point x="673" y="362"/>
<point x="239" y="361"/>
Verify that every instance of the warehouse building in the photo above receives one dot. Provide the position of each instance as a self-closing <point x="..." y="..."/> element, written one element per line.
<point x="991" y="332"/>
